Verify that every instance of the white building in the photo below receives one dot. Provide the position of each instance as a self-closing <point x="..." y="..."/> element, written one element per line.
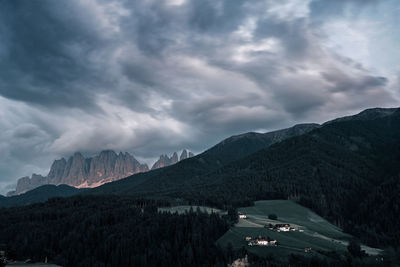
<point x="284" y="229"/>
<point x="262" y="241"/>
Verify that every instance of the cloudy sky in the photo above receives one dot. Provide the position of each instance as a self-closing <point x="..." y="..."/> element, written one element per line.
<point x="155" y="76"/>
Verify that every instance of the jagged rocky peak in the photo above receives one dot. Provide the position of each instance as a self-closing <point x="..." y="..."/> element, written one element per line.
<point x="126" y="163"/>
<point x="75" y="171"/>
<point x="165" y="161"/>
<point x="26" y="183"/>
<point x="185" y="154"/>
<point x="57" y="170"/>
<point x="102" y="166"/>
<point x="174" y="158"/>
<point x="105" y="167"/>
<point x="79" y="171"/>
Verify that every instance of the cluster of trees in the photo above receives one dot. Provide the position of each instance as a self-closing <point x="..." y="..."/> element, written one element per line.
<point x="111" y="231"/>
<point x="272" y="216"/>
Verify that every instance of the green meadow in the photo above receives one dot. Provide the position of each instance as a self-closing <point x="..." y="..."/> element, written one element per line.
<point x="316" y="232"/>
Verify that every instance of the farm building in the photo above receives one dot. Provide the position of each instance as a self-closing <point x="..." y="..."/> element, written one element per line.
<point x="262" y="241"/>
<point x="280" y="227"/>
<point x="242" y="215"/>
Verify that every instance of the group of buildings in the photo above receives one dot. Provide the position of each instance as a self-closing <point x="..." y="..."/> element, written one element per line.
<point x="267" y="241"/>
<point x="281" y="227"/>
<point x="261" y="241"/>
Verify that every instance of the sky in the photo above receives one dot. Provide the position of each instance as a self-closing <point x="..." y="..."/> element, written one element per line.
<point x="156" y="76"/>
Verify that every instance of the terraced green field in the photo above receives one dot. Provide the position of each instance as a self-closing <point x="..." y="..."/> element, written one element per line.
<point x="317" y="233"/>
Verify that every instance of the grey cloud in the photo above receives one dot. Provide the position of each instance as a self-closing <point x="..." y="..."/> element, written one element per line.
<point x="26" y="131"/>
<point x="40" y="64"/>
<point x="148" y="77"/>
<point x="341" y="82"/>
<point x="294" y="35"/>
<point x="325" y="9"/>
<point x="216" y="17"/>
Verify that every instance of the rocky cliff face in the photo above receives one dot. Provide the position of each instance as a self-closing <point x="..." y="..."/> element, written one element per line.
<point x="79" y="171"/>
<point x="27" y="183"/>
<point x="184" y="155"/>
<point x="165" y="161"/>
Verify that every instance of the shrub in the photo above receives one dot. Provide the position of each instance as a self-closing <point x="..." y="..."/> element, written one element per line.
<point x="272" y="217"/>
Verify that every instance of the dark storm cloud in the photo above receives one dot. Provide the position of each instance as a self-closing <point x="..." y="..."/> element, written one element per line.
<point x="292" y="33"/>
<point x="216" y="17"/>
<point x="44" y="59"/>
<point x="341" y="82"/>
<point x="151" y="77"/>
<point x="324" y="9"/>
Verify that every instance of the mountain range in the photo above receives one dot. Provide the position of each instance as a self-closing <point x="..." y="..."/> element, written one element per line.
<point x="82" y="172"/>
<point x="165" y="161"/>
<point x="188" y="172"/>
<point x="347" y="170"/>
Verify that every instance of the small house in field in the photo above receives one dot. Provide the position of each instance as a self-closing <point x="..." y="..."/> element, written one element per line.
<point x="262" y="241"/>
<point x="283" y="228"/>
<point x="242" y="215"/>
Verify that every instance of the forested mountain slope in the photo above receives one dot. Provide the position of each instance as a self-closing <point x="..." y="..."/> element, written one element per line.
<point x="231" y="149"/>
<point x="39" y="194"/>
<point x="348" y="171"/>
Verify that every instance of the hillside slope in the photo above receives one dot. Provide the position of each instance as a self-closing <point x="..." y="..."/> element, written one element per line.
<point x="175" y="176"/>
<point x="348" y="171"/>
<point x="39" y="194"/>
<point x="229" y="150"/>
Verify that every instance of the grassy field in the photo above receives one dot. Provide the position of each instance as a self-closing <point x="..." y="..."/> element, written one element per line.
<point x="183" y="209"/>
<point x="317" y="233"/>
<point x="290" y="212"/>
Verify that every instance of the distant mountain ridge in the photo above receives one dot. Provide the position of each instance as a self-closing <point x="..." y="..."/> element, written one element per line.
<point x="81" y="172"/>
<point x="229" y="150"/>
<point x="165" y="161"/>
<point x="368" y="114"/>
<point x="40" y="194"/>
